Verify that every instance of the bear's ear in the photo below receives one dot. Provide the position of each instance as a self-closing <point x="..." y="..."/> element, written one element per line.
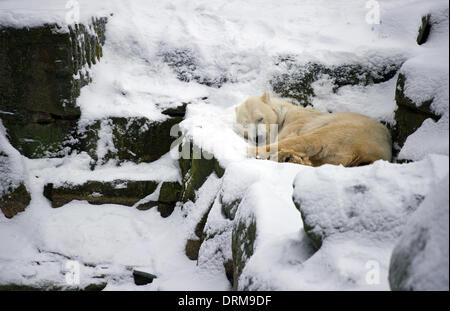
<point x="266" y="98"/>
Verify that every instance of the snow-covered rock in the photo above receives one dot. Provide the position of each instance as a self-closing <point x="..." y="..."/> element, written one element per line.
<point x="43" y="69"/>
<point x="373" y="201"/>
<point x="352" y="218"/>
<point x="14" y="197"/>
<point x="422" y="93"/>
<point x="420" y="259"/>
<point x="244" y="225"/>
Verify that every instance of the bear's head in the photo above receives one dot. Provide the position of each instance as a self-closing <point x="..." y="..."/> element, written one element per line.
<point x="258" y="119"/>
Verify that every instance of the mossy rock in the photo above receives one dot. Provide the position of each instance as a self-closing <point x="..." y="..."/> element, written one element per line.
<point x="148" y="205"/>
<point x="122" y="192"/>
<point x="230" y="209"/>
<point x="409" y="116"/>
<point x="169" y="195"/>
<point x="242" y="246"/>
<point x="192" y="248"/>
<point x="38" y="88"/>
<point x="138" y="145"/>
<point x="200" y="227"/>
<point x="424" y="30"/>
<point x="187" y="67"/>
<point x="15" y="201"/>
<point x="95" y="287"/>
<point x="315" y="236"/>
<point x="170" y="192"/>
<point x="135" y="139"/>
<point x="51" y="287"/>
<point x="229" y="271"/>
<point x="295" y="79"/>
<point x="165" y="210"/>
<point x="402" y="261"/>
<point x="196" y="166"/>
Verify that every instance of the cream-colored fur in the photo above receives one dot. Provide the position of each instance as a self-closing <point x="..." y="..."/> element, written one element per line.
<point x="310" y="137"/>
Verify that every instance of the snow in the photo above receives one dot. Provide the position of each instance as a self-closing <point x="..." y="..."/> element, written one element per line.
<point x="12" y="172"/>
<point x="232" y="45"/>
<point x="75" y="169"/>
<point x="376" y="101"/>
<point x="362" y="211"/>
<point x="427" y="78"/>
<point x="22" y="13"/>
<point x="424" y="243"/>
<point x="111" y="238"/>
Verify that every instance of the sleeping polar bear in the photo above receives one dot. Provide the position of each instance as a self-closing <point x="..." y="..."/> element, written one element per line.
<point x="309" y="137"/>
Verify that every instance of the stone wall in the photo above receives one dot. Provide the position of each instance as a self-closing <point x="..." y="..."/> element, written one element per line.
<point x="42" y="71"/>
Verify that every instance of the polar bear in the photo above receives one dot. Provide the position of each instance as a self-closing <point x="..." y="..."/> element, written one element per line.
<point x="309" y="137"/>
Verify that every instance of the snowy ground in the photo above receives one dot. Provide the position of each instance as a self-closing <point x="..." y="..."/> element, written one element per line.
<point x="232" y="41"/>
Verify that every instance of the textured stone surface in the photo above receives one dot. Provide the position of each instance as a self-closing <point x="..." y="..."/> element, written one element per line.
<point x="42" y="70"/>
<point x="294" y="80"/>
<point x="188" y="67"/>
<point x="136" y="139"/>
<point x="143" y="278"/>
<point x="192" y="248"/>
<point x="121" y="192"/>
<point x="169" y="195"/>
<point x="424" y="30"/>
<point x="409" y="116"/>
<point x="195" y="169"/>
<point x="420" y="259"/>
<point x="15" y="201"/>
<point x="242" y="245"/>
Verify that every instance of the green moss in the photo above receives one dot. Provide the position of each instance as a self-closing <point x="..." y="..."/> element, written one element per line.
<point x="295" y="79"/>
<point x="138" y="145"/>
<point x="242" y="246"/>
<point x="88" y="139"/>
<point x="120" y="192"/>
<point x="169" y="195"/>
<point x="135" y="139"/>
<point x="196" y="169"/>
<point x="200" y="227"/>
<point x="230" y="209"/>
<point x="170" y="192"/>
<point x="409" y="116"/>
<point x="38" y="65"/>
